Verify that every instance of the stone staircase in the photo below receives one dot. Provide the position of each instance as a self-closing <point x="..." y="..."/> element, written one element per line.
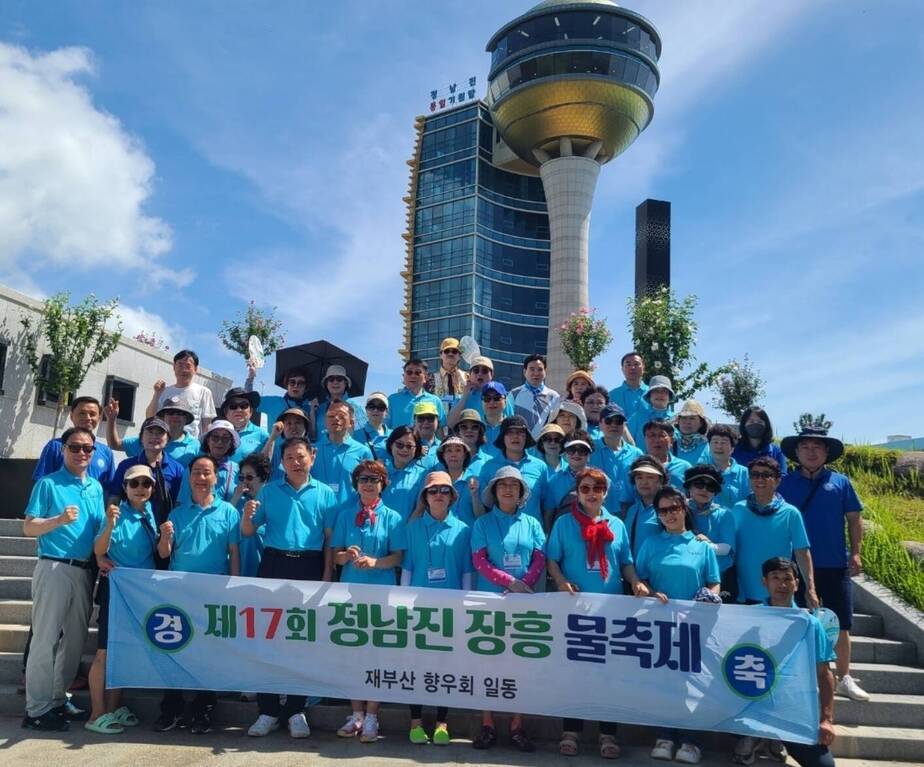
<point x="888" y="728"/>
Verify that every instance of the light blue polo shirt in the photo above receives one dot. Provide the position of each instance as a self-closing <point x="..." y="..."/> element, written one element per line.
<point x="134" y="537"/>
<point x="181" y="450"/>
<point x="535" y="474"/>
<point x="252" y="547"/>
<point x="333" y="465"/>
<point x="462" y="509"/>
<point x="615" y="464"/>
<point x="629" y="399"/>
<point x="643" y="415"/>
<point x="201" y="537"/>
<point x="698" y="453"/>
<point x="641" y="524"/>
<point x="718" y="525"/>
<point x="50" y="495"/>
<point x="491" y="433"/>
<point x="369" y="437"/>
<point x="253" y="438"/>
<point x="101" y="466"/>
<point x="594" y="431"/>
<point x="438" y="553"/>
<point x="567" y="547"/>
<point x="404" y="487"/>
<point x="824" y="647"/>
<point x="760" y="538"/>
<point x="677" y="564"/>
<point x="272" y="407"/>
<point x="295" y="519"/>
<point x="510" y="540"/>
<point x="736" y="484"/>
<point x="401" y="406"/>
<point x="359" y="415"/>
<point x="559" y="486"/>
<point x="385" y="537"/>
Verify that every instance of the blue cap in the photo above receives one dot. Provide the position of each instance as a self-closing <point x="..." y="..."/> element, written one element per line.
<point x="610" y="410"/>
<point x="495" y="386"/>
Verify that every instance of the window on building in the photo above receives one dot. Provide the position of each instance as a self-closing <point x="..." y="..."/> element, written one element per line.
<point x="44" y="395"/>
<point x="123" y="392"/>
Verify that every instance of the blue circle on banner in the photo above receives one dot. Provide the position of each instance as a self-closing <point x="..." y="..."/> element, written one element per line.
<point x="749" y="670"/>
<point x="168" y="628"/>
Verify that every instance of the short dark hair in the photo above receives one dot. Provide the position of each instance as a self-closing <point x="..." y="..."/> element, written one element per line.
<point x="767" y="463"/>
<point x="85" y="400"/>
<point x="534" y="358"/>
<point x="669" y="491"/>
<point x="762" y="414"/>
<point x="626" y="356"/>
<point x="68" y="433"/>
<point x="596" y="390"/>
<point x="404" y="431"/>
<point x="664" y="426"/>
<point x="722" y="430"/>
<point x="779" y="563"/>
<point x="294" y="372"/>
<point x="204" y="457"/>
<point x="416" y="361"/>
<point x="369" y="467"/>
<point x="182" y="354"/>
<point x="260" y="464"/>
<point x="292" y="441"/>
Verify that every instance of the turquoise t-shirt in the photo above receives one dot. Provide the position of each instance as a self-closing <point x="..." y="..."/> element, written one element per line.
<point x="385" y="537"/>
<point x="253" y="438"/>
<point x="677" y="564"/>
<point x="567" y="547"/>
<point x="401" y="406"/>
<point x="676" y="469"/>
<point x="629" y="399"/>
<point x="201" y="537"/>
<point x="404" y="487"/>
<point x="333" y="465"/>
<point x="535" y="474"/>
<point x="438" y="553"/>
<point x="252" y="547"/>
<point x="718" y="525"/>
<point x="736" y="485"/>
<point x="224" y="485"/>
<point x="698" y="452"/>
<point x="510" y="540"/>
<point x="134" y="537"/>
<point x="50" y="495"/>
<point x="615" y="464"/>
<point x="641" y="524"/>
<point x="295" y="519"/>
<point x="644" y="414"/>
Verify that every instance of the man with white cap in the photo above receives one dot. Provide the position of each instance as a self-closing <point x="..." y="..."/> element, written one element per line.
<point x="335" y="384"/>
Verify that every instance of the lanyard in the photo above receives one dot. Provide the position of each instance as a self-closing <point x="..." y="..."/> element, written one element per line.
<point x="430" y="539"/>
<point x="502" y="536"/>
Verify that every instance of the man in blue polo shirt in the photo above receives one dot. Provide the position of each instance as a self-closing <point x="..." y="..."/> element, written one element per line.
<point x="829" y="505"/>
<point x="401" y="404"/>
<point x="86" y="413"/>
<point x="65" y="512"/>
<point x="628" y="395"/>
<point x="338" y="453"/>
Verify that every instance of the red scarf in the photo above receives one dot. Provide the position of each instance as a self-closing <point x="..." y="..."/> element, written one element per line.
<point x="596" y="534"/>
<point x="367" y="512"/>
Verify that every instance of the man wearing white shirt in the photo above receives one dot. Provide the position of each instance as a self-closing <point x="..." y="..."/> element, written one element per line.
<point x="196" y="397"/>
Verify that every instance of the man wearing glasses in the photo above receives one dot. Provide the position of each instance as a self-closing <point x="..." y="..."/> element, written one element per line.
<point x="65" y="512"/>
<point x="613" y="455"/>
<point x="479" y="376"/>
<point x="86" y="413"/>
<point x="449" y="382"/>
<point x="401" y="404"/>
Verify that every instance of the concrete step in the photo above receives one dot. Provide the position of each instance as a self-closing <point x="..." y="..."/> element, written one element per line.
<point x="15" y="587"/>
<point x="882" y="710"/>
<point x="866" y="625"/>
<point x="878" y="650"/>
<point x="16" y="611"/>
<point x="11" y="527"/>
<point x="889" y="678"/>
<point x="18" y="546"/>
<point x="13" y="638"/>
<point x="868" y="742"/>
<point x="17" y="566"/>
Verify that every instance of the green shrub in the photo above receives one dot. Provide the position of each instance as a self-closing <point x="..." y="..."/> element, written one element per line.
<point x="876" y="466"/>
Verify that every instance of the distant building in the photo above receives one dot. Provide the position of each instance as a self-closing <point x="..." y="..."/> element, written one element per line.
<point x="902" y="442"/>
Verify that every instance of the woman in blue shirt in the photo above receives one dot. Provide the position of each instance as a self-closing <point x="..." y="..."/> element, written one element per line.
<point x="588" y="551"/>
<point x="550" y="446"/>
<point x="254" y="473"/>
<point x="677" y="566"/>
<point x="405" y="472"/>
<point x="690" y="442"/>
<point x="369" y="544"/>
<point x="128" y="540"/>
<point x="238" y="409"/>
<point x="219" y="442"/>
<point x="713" y="523"/>
<point x="438" y="556"/>
<point x="455" y="458"/>
<point x="757" y="439"/>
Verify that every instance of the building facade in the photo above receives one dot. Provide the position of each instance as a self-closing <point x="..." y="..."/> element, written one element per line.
<point x="477" y="246"/>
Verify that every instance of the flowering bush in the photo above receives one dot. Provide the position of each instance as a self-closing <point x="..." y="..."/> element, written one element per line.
<point x="584" y="338"/>
<point x="152" y="340"/>
<point x="738" y="389"/>
<point x="262" y="323"/>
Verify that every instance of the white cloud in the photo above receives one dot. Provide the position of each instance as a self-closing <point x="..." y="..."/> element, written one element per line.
<point x="73" y="181"/>
<point x="136" y="319"/>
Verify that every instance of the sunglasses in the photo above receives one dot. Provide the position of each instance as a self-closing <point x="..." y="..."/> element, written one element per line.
<point x="377" y="407"/>
<point x="762" y="475"/>
<point x="241" y="405"/>
<point x="553" y="441"/>
<point x="452" y="352"/>
<point x="617" y="419"/>
<point x="597" y="487"/>
<point x="576" y="450"/>
<point x="247" y="477"/>
<point x="368" y="479"/>
<point x="675" y="508"/>
<point x="220" y="437"/>
<point x="85" y="449"/>
<point x="704" y="484"/>
<point x="441" y="490"/>
<point x="425" y="417"/>
<point x="478" y="370"/>
<point x="493" y="398"/>
<point x="406" y="445"/>
<point x="136" y="483"/>
<point x="336" y="379"/>
<point x="297" y="382"/>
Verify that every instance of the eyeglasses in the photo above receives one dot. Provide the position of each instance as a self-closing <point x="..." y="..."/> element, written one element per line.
<point x="220" y="437"/>
<point x="406" y="445"/>
<point x="452" y="352"/>
<point x="297" y="382"/>
<point x="492" y="398"/>
<point x="368" y="479"/>
<point x="135" y="483"/>
<point x="336" y="379"/>
<point x="597" y="487"/>
<point x="247" y="477"/>
<point x="85" y="449"/>
<point x="239" y="405"/>
<point x="674" y="508"/>
<point x="413" y="372"/>
<point x="577" y="450"/>
<point x="479" y="369"/>
<point x="425" y="417"/>
<point x="762" y="475"/>
<point x="377" y="407"/>
<point x="704" y="484"/>
<point x="441" y="490"/>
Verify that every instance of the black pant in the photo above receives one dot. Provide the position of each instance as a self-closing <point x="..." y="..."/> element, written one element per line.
<point x="811" y="756"/>
<point x="730" y="584"/>
<point x="417" y="712"/>
<point x="577" y="725"/>
<point x="202" y="702"/>
<point x="308" y="566"/>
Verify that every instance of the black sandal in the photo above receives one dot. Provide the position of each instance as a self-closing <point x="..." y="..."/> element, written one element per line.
<point x="486" y="738"/>
<point x="519" y="738"/>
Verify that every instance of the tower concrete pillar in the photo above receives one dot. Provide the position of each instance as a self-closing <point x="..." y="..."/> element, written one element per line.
<point x="569" y="182"/>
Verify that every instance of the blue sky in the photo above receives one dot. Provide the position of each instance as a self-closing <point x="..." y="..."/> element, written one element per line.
<point x="188" y="157"/>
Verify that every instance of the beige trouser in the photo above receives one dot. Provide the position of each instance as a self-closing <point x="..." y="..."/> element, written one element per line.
<point x="61" y="604"/>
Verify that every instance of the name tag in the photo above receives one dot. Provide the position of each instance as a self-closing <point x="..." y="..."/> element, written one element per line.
<point x="436" y="574"/>
<point x="335" y="486"/>
<point x="594" y="568"/>
<point x="512" y="561"/>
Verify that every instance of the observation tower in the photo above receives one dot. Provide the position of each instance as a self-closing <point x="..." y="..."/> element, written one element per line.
<point x="571" y="86"/>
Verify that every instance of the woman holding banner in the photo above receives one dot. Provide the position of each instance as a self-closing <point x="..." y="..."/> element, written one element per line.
<point x="588" y="551"/>
<point x="677" y="565"/>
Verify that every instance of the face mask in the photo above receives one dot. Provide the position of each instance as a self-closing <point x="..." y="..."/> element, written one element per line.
<point x="755" y="430"/>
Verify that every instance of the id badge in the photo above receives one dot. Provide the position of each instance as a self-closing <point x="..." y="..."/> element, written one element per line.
<point x="436" y="574"/>
<point x="335" y="486"/>
<point x="512" y="561"/>
<point x="594" y="568"/>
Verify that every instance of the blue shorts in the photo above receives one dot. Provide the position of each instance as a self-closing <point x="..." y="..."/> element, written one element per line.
<point x="835" y="590"/>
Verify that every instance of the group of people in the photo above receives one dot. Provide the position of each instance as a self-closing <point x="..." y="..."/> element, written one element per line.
<point x="450" y="482"/>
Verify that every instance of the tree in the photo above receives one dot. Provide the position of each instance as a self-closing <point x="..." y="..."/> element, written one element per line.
<point x="738" y="389"/>
<point x="664" y="333"/>
<point x="584" y="338"/>
<point x="76" y="337"/>
<point x="809" y="421"/>
<point x="262" y="323"/>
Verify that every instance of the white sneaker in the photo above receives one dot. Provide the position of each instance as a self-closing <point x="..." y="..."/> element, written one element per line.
<point x="688" y="754"/>
<point x="848" y="687"/>
<point x="370" y="733"/>
<point x="352" y="727"/>
<point x="263" y="726"/>
<point x="663" y="750"/>
<point x="298" y="725"/>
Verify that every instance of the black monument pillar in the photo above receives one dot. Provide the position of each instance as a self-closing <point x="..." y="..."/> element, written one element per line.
<point x="652" y="246"/>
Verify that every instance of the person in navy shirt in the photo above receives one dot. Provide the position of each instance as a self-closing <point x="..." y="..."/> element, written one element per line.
<point x="629" y="394"/>
<point x="829" y="504"/>
<point x="757" y="439"/>
<point x="238" y="408"/>
<point x="65" y="512"/>
<point x="401" y="404"/>
<point x="85" y="413"/>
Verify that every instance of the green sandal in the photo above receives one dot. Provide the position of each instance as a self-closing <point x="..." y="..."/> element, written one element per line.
<point x="441" y="736"/>
<point x="125" y="717"/>
<point x="105" y="725"/>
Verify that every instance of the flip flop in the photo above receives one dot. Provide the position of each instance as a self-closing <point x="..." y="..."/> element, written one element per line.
<point x="105" y="725"/>
<point x="125" y="717"/>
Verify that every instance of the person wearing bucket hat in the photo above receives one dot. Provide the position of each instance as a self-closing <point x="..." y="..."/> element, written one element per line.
<point x="507" y="553"/>
<point x="219" y="441"/>
<point x="401" y="404"/>
<point x="613" y="454"/>
<point x="576" y="384"/>
<point x="569" y="415"/>
<point x="334" y="384"/>
<point x="629" y="395"/>
<point x="657" y="406"/>
<point x="470" y="429"/>
<point x="449" y="381"/>
<point x="551" y="446"/>
<point x="691" y="425"/>
<point x="560" y="491"/>
<point x="290" y="423"/>
<point x="713" y="523"/>
<point x="182" y="447"/>
<point x="512" y="442"/>
<point x="238" y="408"/>
<point x="374" y="433"/>
<point x="646" y="477"/>
<point x="756" y="439"/>
<point x="829" y="506"/>
<point x="438" y="556"/>
<point x="194" y="396"/>
<point x="480" y="374"/>
<point x="455" y="457"/>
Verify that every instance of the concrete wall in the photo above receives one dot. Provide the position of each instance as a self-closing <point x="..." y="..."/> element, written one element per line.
<point x="26" y="426"/>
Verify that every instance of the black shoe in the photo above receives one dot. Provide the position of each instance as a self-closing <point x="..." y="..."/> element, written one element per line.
<point x="166" y="722"/>
<point x="72" y="713"/>
<point x="201" y="723"/>
<point x="50" y="721"/>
